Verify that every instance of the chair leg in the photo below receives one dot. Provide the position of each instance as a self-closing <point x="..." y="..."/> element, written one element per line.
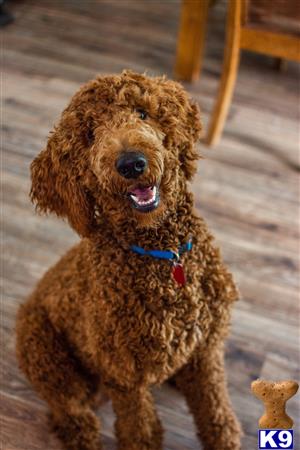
<point x="191" y="38"/>
<point x="229" y="73"/>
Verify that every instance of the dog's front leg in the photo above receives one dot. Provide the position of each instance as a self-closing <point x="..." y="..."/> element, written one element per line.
<point x="137" y="424"/>
<point x="203" y="383"/>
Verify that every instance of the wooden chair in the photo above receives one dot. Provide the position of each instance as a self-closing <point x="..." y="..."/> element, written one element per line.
<point x="264" y="26"/>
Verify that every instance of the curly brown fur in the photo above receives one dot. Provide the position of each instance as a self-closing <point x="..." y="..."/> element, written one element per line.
<point x="105" y="318"/>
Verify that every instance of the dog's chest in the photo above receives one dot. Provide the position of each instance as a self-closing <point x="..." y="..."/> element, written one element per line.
<point x="154" y="323"/>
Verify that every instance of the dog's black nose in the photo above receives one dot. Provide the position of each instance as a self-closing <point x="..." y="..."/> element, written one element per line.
<point x="131" y="164"/>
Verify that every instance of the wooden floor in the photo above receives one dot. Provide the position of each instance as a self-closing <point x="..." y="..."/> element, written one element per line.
<point x="247" y="189"/>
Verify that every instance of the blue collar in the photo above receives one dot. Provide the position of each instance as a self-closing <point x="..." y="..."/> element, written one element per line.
<point x="163" y="254"/>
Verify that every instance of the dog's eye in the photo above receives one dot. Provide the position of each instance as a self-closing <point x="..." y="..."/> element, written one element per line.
<point x="142" y="113"/>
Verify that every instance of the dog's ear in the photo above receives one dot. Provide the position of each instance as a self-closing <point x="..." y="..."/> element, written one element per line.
<point x="57" y="178"/>
<point x="189" y="153"/>
<point x="183" y="124"/>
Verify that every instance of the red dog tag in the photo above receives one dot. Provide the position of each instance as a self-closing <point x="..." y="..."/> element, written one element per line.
<point x="178" y="274"/>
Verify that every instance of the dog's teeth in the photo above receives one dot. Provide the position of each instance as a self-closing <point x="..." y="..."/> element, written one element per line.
<point x="141" y="202"/>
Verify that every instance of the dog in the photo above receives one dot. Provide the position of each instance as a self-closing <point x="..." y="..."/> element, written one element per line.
<point x="144" y="297"/>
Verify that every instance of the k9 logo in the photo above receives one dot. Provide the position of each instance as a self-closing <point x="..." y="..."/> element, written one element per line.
<point x="268" y="439"/>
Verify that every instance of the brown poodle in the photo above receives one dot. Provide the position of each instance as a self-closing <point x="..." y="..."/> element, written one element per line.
<point x="117" y="314"/>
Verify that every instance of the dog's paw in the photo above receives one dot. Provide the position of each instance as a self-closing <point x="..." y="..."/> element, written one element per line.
<point x="224" y="436"/>
<point x="78" y="431"/>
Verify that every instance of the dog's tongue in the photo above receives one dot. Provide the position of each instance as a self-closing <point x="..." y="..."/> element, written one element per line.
<point x="143" y="193"/>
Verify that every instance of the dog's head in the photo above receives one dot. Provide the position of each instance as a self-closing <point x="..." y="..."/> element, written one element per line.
<point x="122" y="151"/>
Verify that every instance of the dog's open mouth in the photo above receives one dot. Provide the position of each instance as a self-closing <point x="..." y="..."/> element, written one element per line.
<point x="144" y="198"/>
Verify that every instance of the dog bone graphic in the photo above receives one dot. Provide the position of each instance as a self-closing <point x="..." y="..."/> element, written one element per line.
<point x="274" y="396"/>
